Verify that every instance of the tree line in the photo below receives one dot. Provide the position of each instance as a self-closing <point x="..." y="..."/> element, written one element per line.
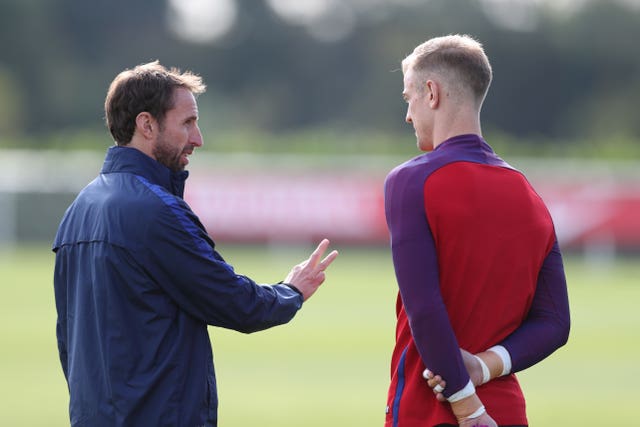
<point x="570" y="77"/>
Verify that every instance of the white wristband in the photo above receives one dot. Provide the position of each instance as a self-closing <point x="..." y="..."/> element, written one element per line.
<point x="481" y="410"/>
<point x="467" y="391"/>
<point x="486" y="375"/>
<point x="505" y="356"/>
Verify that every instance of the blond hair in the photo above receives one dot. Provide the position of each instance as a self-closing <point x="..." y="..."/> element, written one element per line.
<point x="459" y="59"/>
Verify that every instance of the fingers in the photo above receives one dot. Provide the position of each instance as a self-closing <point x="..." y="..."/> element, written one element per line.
<point x="432" y="379"/>
<point x="314" y="259"/>
<point x="328" y="260"/>
<point x="310" y="274"/>
<point x="436" y="383"/>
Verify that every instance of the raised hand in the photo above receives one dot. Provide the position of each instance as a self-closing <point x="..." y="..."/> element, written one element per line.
<point x="309" y="274"/>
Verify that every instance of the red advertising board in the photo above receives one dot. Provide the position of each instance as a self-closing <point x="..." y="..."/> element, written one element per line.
<point x="289" y="207"/>
<point x="592" y="213"/>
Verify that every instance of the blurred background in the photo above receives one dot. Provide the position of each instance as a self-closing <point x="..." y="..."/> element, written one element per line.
<point x="302" y="120"/>
<point x="299" y="87"/>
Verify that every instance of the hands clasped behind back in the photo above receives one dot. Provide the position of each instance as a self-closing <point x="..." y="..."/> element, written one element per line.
<point x="309" y="274"/>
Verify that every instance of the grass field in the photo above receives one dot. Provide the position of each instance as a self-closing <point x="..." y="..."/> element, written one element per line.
<point x="329" y="367"/>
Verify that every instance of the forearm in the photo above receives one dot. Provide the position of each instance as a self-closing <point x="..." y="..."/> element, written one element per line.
<point x="417" y="273"/>
<point x="443" y="357"/>
<point x="544" y="330"/>
<point x="547" y="325"/>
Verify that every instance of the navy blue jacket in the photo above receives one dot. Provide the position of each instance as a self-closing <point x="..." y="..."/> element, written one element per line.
<point x="137" y="280"/>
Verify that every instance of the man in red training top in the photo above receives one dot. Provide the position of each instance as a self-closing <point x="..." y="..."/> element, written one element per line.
<point x="475" y="255"/>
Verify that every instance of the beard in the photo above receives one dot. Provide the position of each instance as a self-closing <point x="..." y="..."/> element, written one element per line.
<point x="168" y="154"/>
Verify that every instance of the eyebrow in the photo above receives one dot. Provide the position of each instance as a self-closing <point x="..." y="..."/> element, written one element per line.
<point x="193" y="117"/>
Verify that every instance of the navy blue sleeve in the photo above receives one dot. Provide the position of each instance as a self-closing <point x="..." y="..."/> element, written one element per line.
<point x="61" y="308"/>
<point x="547" y="325"/>
<point x="181" y="258"/>
<point x="416" y="267"/>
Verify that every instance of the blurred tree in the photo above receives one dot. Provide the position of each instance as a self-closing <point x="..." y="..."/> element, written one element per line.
<point x="558" y="74"/>
<point x="602" y="40"/>
<point x="11" y="104"/>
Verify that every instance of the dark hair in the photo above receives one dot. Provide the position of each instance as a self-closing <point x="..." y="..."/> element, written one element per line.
<point x="147" y="87"/>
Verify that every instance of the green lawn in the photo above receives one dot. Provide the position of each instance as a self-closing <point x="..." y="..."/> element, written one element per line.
<point x="329" y="367"/>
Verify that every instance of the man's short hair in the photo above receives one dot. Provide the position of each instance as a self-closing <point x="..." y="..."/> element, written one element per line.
<point x="458" y="58"/>
<point x="147" y="87"/>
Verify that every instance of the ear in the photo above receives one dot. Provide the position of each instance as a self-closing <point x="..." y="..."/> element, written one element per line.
<point x="432" y="89"/>
<point x="146" y="125"/>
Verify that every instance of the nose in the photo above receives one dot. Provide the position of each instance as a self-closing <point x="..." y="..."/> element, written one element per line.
<point x="196" y="137"/>
<point x="408" y="118"/>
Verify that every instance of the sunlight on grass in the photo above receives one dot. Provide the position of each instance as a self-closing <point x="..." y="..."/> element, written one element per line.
<point x="330" y="365"/>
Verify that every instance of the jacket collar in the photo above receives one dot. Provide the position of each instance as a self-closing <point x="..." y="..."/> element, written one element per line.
<point x="131" y="160"/>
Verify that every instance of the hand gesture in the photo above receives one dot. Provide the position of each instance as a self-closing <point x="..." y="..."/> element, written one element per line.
<point x="309" y="274"/>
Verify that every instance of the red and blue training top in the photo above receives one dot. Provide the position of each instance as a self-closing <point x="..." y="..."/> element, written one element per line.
<point x="477" y="264"/>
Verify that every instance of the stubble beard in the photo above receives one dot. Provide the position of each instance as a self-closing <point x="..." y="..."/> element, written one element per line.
<point x="168" y="155"/>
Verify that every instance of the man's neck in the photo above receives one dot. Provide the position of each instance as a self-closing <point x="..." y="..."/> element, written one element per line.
<point x="461" y="124"/>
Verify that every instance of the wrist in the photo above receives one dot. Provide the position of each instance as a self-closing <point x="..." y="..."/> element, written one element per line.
<point x="504" y="357"/>
<point x="467" y="408"/>
<point x="486" y="373"/>
<point x="493" y="364"/>
<point x="481" y="410"/>
<point x="467" y="391"/>
<point x="293" y="288"/>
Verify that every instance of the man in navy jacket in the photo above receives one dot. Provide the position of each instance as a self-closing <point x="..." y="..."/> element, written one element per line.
<point x="137" y="278"/>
